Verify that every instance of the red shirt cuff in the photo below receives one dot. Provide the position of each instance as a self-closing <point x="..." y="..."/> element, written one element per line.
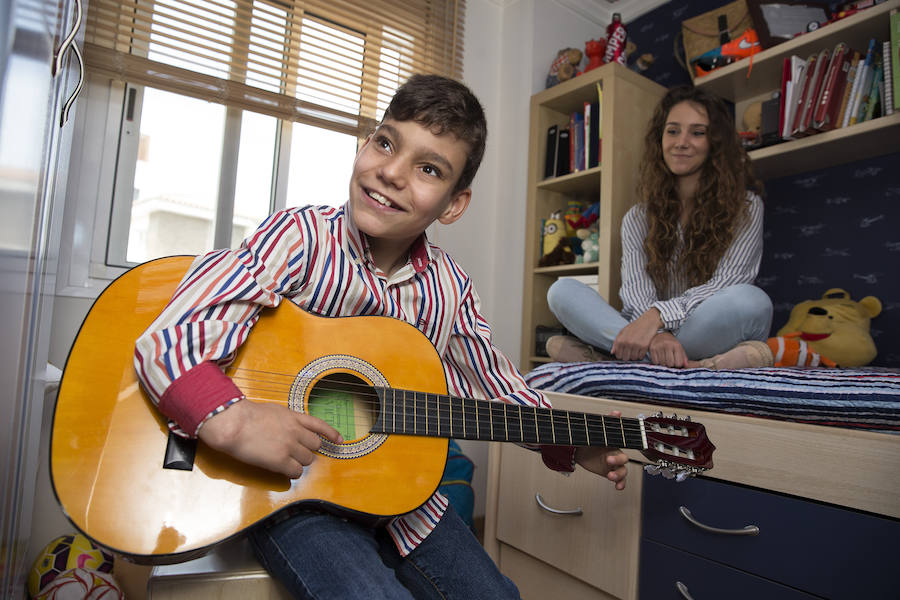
<point x="559" y="458"/>
<point x="196" y="394"/>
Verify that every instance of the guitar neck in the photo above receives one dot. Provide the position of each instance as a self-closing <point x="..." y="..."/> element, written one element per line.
<point x="435" y="415"/>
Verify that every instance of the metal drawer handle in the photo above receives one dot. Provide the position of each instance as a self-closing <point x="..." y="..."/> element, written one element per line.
<point x="556" y="511"/>
<point x="682" y="589"/>
<point x="747" y="530"/>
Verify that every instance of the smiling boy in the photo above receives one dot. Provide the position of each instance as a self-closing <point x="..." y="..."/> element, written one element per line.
<point x="369" y="257"/>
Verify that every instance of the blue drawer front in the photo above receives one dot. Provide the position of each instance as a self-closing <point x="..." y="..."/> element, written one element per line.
<point x="662" y="567"/>
<point x="824" y="550"/>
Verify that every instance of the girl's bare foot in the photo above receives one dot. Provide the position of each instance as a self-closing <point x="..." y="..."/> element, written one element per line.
<point x="746" y="355"/>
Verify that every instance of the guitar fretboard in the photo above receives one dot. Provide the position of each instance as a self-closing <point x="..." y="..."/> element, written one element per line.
<point x="436" y="415"/>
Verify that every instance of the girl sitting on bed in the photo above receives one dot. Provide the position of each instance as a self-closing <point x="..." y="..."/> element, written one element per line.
<point x="691" y="249"/>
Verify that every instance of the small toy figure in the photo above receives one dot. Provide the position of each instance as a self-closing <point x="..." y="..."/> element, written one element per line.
<point x="564" y="66"/>
<point x="594" y="49"/>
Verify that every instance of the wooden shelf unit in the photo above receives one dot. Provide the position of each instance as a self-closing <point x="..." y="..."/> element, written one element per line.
<point x="627" y="104"/>
<point x="756" y="78"/>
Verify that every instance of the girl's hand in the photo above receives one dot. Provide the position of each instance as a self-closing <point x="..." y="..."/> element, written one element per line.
<point x="666" y="350"/>
<point x="633" y="342"/>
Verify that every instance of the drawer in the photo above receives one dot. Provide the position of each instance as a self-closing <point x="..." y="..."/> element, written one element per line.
<point x="598" y="546"/>
<point x="663" y="568"/>
<point x="822" y="549"/>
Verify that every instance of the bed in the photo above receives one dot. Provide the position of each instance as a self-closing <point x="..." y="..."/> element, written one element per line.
<point x="830" y="435"/>
<point x="862" y="398"/>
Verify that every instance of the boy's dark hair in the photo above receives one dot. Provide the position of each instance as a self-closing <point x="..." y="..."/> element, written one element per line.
<point x="443" y="105"/>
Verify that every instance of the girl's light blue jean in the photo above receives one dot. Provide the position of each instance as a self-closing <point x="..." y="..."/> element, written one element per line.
<point x="318" y="555"/>
<point x="730" y="316"/>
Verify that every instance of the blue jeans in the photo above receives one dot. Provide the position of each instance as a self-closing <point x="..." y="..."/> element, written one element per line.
<point x="318" y="555"/>
<point x="730" y="316"/>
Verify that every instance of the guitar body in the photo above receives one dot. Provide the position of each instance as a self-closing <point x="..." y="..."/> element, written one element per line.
<point x="108" y="446"/>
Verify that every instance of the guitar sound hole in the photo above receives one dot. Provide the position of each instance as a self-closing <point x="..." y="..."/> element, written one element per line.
<point x="345" y="402"/>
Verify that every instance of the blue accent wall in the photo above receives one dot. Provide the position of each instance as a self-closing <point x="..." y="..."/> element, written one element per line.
<point x="830" y="228"/>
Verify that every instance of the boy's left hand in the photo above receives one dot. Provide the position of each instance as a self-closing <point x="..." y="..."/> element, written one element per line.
<point x="604" y="461"/>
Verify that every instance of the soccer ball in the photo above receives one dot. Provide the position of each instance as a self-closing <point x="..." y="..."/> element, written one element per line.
<point x="81" y="584"/>
<point x="64" y="553"/>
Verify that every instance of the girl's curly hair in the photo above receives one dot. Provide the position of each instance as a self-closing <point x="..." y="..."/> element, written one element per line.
<point x="720" y="203"/>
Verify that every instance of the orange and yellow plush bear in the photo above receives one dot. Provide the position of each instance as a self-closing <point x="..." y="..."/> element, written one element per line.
<point x="832" y="331"/>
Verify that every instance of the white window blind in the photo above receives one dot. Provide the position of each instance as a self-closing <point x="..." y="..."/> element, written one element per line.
<point x="332" y="63"/>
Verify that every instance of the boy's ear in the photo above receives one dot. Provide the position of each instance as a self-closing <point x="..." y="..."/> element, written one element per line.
<point x="458" y="205"/>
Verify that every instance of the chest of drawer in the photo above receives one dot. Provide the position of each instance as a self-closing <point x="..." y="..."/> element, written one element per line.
<point x="594" y="533"/>
<point x="677" y="575"/>
<point x="821" y="549"/>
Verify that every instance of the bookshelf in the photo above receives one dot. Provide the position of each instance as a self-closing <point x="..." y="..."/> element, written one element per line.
<point x="627" y="103"/>
<point x="744" y="82"/>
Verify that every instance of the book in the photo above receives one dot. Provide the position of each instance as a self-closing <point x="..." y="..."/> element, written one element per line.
<point x="848" y="85"/>
<point x="857" y="81"/>
<point x="799" y="92"/>
<point x="785" y="89"/>
<point x="562" y="152"/>
<point x="867" y="111"/>
<point x="888" y="94"/>
<point x="599" y="121"/>
<point x="895" y="56"/>
<point x="593" y="133"/>
<point x="798" y="66"/>
<point x="828" y="103"/>
<point x="587" y="134"/>
<point x="865" y="83"/>
<point x="550" y="157"/>
<point x="803" y="124"/>
<point x="576" y="142"/>
<point x="867" y="87"/>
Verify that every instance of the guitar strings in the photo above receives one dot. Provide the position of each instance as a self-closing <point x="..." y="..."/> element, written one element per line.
<point x="261" y="382"/>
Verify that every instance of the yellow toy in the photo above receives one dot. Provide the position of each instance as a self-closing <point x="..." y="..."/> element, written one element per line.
<point x="555" y="246"/>
<point x="554" y="232"/>
<point x="834" y="327"/>
<point x="832" y="331"/>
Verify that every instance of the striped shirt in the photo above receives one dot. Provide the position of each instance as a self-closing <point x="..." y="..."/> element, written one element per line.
<point x="317" y="258"/>
<point x="740" y="264"/>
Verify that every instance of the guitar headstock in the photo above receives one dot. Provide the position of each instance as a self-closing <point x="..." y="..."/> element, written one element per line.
<point x="678" y="446"/>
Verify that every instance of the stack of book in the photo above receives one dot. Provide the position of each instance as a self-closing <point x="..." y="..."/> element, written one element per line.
<point x="841" y="86"/>
<point x="575" y="146"/>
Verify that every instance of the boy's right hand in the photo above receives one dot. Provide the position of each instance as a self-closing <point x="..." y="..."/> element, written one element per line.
<point x="267" y="435"/>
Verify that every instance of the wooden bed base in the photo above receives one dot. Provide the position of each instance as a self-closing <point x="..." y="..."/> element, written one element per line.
<point x="856" y="469"/>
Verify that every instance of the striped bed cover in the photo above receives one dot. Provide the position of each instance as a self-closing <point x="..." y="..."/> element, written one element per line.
<point x="862" y="398"/>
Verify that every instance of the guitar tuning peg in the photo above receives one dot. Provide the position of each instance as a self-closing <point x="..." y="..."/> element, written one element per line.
<point x="652" y="469"/>
<point x="681" y="476"/>
<point x="668" y="474"/>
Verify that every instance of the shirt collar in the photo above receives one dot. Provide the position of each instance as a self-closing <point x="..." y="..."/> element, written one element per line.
<point x="355" y="243"/>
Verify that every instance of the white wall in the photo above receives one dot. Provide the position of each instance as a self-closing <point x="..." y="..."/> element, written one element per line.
<point x="508" y="50"/>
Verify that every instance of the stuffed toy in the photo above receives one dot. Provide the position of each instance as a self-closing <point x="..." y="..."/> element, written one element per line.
<point x="564" y="66"/>
<point x="556" y="249"/>
<point x="832" y="331"/>
<point x="834" y="327"/>
<point x="590" y="245"/>
<point x="594" y="49"/>
<point x="573" y="216"/>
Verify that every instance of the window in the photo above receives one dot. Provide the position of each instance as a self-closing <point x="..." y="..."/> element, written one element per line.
<point x="234" y="108"/>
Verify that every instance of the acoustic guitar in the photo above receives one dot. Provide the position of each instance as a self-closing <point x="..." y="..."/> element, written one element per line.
<point x="134" y="488"/>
